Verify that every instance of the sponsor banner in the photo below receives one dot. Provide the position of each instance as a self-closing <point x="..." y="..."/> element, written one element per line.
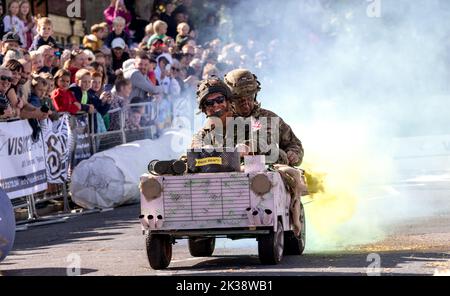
<point x="22" y="160"/>
<point x="56" y="139"/>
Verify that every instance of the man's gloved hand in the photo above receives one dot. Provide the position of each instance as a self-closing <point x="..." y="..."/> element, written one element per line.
<point x="292" y="157"/>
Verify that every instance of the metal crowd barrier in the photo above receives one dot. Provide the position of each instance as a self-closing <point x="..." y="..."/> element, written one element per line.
<point x="124" y="134"/>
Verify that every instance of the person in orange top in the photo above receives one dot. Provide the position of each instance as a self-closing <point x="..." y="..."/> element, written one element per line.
<point x="63" y="98"/>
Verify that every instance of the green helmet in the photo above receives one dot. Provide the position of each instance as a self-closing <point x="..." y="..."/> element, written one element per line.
<point x="242" y="83"/>
<point x="210" y="86"/>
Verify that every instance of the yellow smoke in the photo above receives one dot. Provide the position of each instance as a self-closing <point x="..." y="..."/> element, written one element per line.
<point x="337" y="161"/>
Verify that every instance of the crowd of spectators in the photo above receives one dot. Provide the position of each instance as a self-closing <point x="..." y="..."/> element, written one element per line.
<point x="113" y="67"/>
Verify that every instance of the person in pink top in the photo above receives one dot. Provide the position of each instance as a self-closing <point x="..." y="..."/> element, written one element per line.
<point x="117" y="8"/>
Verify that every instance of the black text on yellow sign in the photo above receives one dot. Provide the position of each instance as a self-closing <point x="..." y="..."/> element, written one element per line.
<point x="208" y="161"/>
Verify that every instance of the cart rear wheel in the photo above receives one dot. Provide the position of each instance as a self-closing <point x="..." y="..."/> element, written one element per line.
<point x="271" y="246"/>
<point x="159" y="250"/>
<point x="201" y="247"/>
<point x="295" y="245"/>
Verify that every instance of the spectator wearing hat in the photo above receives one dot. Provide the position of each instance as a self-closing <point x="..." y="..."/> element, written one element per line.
<point x="10" y="41"/>
<point x="157" y="47"/>
<point x="118" y="32"/>
<point x="118" y="53"/>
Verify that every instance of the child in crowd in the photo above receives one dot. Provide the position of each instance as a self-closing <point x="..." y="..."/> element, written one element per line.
<point x="12" y="22"/>
<point x="46" y="99"/>
<point x="160" y="29"/>
<point x="120" y="99"/>
<point x="38" y="91"/>
<point x="29" y="23"/>
<point x="37" y="61"/>
<point x="94" y="41"/>
<point x="117" y="8"/>
<point x="63" y="98"/>
<point x="118" y="32"/>
<point x="45" y="32"/>
<point x="135" y="115"/>
<point x="86" y="96"/>
<point x="148" y="34"/>
<point x="183" y="35"/>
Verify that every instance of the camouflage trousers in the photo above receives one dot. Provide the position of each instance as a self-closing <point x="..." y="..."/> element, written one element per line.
<point x="295" y="183"/>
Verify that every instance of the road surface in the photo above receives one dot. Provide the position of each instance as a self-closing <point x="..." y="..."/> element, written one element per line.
<point x="111" y="243"/>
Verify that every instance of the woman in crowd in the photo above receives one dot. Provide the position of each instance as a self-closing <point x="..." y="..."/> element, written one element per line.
<point x="78" y="60"/>
<point x="16" y="69"/>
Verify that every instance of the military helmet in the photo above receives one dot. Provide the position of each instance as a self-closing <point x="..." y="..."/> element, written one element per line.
<point x="242" y="83"/>
<point x="210" y="86"/>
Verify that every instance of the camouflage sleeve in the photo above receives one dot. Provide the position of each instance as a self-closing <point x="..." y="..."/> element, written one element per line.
<point x="290" y="142"/>
<point x="197" y="140"/>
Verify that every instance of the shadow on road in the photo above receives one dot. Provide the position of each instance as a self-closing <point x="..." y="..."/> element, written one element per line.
<point x="91" y="227"/>
<point x="312" y="264"/>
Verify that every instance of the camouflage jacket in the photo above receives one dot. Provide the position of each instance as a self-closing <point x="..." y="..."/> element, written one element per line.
<point x="287" y="141"/>
<point x="209" y="135"/>
<point x="260" y="120"/>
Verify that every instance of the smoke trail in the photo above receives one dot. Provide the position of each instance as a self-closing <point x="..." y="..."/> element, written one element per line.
<point x="349" y="83"/>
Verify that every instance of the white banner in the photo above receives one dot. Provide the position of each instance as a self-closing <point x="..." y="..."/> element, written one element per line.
<point x="22" y="161"/>
<point x="56" y="139"/>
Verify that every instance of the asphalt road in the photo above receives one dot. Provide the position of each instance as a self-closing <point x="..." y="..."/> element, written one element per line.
<point x="111" y="243"/>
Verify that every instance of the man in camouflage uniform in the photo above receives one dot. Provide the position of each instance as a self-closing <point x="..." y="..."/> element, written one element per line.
<point x="213" y="97"/>
<point x="244" y="87"/>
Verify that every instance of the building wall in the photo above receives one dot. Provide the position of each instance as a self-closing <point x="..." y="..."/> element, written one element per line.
<point x="91" y="13"/>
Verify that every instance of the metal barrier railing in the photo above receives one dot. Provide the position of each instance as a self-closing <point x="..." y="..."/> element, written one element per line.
<point x="125" y="134"/>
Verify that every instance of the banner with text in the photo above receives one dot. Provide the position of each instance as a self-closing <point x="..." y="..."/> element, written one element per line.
<point x="22" y="161"/>
<point x="56" y="139"/>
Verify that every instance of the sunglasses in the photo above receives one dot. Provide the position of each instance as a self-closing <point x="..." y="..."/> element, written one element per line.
<point x="218" y="100"/>
<point x="176" y="69"/>
<point x="6" y="78"/>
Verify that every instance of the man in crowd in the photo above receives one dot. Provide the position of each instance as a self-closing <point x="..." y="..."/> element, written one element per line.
<point x="10" y="41"/>
<point x="48" y="54"/>
<point x="138" y="74"/>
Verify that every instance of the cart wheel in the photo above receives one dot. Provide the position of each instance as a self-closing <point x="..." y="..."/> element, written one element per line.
<point x="270" y="246"/>
<point x="159" y="250"/>
<point x="201" y="247"/>
<point x="295" y="245"/>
